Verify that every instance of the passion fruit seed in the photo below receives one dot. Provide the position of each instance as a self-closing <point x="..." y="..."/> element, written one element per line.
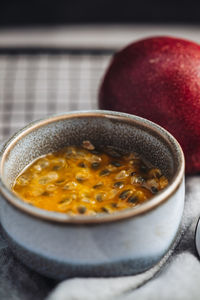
<point x="56" y="168"/>
<point x="133" y="199"/>
<point x="104" y="209"/>
<point x="121" y="175"/>
<point x="37" y="168"/>
<point x="70" y="185"/>
<point x="44" y="164"/>
<point x="46" y="193"/>
<point x="82" y="165"/>
<point x="155" y="173"/>
<point x="97" y="186"/>
<point x="116" y="164"/>
<point x="65" y="200"/>
<point x="154" y="189"/>
<point x="119" y="184"/>
<point x="104" y="172"/>
<point x="61" y="181"/>
<point x="23" y="180"/>
<point x="43" y="180"/>
<point x="88" y="145"/>
<point x="95" y="158"/>
<point x="84" y="181"/>
<point x="86" y="200"/>
<point x="133" y="173"/>
<point x="137" y="180"/>
<point x="124" y="194"/>
<point x="95" y="165"/>
<point x="80" y="177"/>
<point x="152" y="182"/>
<point x="99" y="197"/>
<point x="51" y="187"/>
<point x="81" y="209"/>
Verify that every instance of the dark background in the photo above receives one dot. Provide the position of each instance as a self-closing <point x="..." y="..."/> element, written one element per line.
<point x="43" y="12"/>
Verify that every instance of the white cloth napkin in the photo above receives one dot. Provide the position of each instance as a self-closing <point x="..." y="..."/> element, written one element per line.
<point x="176" y="276"/>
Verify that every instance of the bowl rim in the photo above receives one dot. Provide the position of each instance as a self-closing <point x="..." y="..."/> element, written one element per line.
<point x="143" y="208"/>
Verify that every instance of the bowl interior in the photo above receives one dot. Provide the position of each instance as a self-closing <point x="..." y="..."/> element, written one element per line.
<point x="103" y="129"/>
<point x="123" y="134"/>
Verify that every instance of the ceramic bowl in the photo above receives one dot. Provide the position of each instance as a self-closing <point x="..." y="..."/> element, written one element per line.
<point x="123" y="243"/>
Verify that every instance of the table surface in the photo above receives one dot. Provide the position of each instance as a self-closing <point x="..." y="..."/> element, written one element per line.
<point x="39" y="84"/>
<point x="65" y="70"/>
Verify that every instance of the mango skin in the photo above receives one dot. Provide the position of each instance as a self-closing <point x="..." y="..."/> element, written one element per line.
<point x="159" y="79"/>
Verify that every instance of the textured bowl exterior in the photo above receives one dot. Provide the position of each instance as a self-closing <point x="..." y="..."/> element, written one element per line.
<point x="110" y="245"/>
<point x="119" y="248"/>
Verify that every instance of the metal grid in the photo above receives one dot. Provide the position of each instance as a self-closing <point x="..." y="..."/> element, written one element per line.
<point x="33" y="85"/>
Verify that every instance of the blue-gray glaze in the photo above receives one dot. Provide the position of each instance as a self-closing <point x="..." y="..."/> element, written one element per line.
<point x="45" y="246"/>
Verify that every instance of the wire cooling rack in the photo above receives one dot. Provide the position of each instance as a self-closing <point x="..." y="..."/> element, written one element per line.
<point x="38" y="82"/>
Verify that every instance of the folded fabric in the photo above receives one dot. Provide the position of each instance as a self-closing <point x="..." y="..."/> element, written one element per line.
<point x="177" y="276"/>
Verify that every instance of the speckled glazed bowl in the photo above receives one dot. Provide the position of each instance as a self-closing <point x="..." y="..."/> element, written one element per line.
<point x="123" y="243"/>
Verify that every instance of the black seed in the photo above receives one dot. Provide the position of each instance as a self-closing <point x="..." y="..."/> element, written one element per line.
<point x="60" y="181"/>
<point x="116" y="164"/>
<point x="114" y="205"/>
<point x="104" y="209"/>
<point x="80" y="179"/>
<point x="158" y="175"/>
<point x="154" y="189"/>
<point x="99" y="198"/>
<point x="139" y="180"/>
<point x="81" y="165"/>
<point x="95" y="165"/>
<point x="132" y="199"/>
<point x="118" y="184"/>
<point x="133" y="173"/>
<point x="96" y="186"/>
<point x="124" y="194"/>
<point x="104" y="172"/>
<point x="55" y="168"/>
<point x="81" y="209"/>
<point x="45" y="193"/>
<point x="63" y="201"/>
